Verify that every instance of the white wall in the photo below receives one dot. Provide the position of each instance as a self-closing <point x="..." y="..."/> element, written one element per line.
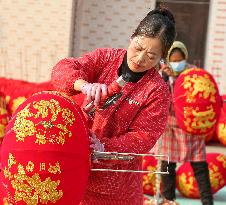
<point x="215" y="59"/>
<point x="107" y="23"/>
<point x="34" y="35"/>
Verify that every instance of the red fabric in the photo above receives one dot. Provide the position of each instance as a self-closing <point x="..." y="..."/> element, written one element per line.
<point x="186" y="182"/>
<point x="45" y="153"/>
<point x="196" y="101"/>
<point x="17" y="91"/>
<point x="133" y="124"/>
<point x="4" y="116"/>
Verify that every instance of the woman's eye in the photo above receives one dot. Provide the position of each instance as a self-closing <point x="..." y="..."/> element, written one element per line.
<point x="151" y="57"/>
<point x="138" y="48"/>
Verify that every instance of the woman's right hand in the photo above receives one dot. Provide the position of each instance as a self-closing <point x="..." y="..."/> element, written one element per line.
<point x="94" y="92"/>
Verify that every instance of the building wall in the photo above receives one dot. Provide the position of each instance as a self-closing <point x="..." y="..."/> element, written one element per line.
<point x="34" y="35"/>
<point x="215" y="59"/>
<point x="107" y="23"/>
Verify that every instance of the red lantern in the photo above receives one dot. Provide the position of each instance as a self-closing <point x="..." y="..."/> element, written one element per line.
<point x="196" y="101"/>
<point x="186" y="182"/>
<point x="149" y="179"/>
<point x="45" y="153"/>
<point x="4" y="117"/>
<point x="221" y="126"/>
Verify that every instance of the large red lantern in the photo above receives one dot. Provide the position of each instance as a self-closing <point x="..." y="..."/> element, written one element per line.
<point x="186" y="182"/>
<point x="196" y="101"/>
<point x="45" y="156"/>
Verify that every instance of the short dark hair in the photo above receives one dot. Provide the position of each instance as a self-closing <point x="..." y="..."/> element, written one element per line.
<point x="158" y="23"/>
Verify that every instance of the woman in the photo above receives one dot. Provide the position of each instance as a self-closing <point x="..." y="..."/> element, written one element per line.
<point x="135" y="122"/>
<point x="180" y="146"/>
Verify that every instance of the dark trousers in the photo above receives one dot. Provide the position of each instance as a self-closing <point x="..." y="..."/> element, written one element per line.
<point x="201" y="173"/>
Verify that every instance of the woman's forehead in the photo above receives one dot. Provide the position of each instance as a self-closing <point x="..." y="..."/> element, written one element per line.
<point x="148" y="42"/>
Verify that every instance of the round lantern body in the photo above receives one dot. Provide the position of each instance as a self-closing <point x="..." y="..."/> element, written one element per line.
<point x="221" y="125"/>
<point x="149" y="179"/>
<point x="196" y="101"/>
<point x="186" y="182"/>
<point x="45" y="153"/>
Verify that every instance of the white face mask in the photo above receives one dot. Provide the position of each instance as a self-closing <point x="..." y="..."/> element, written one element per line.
<point x="178" y="66"/>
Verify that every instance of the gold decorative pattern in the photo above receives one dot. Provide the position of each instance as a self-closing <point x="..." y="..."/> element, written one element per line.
<point x="16" y="102"/>
<point x="150" y="179"/>
<point x="216" y="178"/>
<point x="49" y="111"/>
<point x="32" y="189"/>
<point x="188" y="181"/>
<point x="222" y="130"/>
<point x="199" y="120"/>
<point x="199" y="85"/>
<point x="222" y="158"/>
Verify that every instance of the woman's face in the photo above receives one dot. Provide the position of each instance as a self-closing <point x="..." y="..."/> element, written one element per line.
<point x="143" y="53"/>
<point x="176" y="56"/>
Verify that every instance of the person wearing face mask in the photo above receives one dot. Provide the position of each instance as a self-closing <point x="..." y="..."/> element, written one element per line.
<point x="180" y="146"/>
<point x="137" y="119"/>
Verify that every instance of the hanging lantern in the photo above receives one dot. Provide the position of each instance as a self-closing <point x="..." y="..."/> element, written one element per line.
<point x="196" y="101"/>
<point x="45" y="153"/>
<point x="186" y="182"/>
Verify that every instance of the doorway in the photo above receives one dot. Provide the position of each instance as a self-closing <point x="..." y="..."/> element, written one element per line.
<point x="191" y="18"/>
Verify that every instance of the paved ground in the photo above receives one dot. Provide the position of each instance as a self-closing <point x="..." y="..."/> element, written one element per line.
<point x="216" y="147"/>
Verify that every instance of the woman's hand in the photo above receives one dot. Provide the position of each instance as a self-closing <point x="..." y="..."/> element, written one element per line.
<point x="166" y="69"/>
<point x="94" y="92"/>
<point x="95" y="143"/>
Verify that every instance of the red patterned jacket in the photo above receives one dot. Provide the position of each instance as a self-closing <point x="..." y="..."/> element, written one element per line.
<point x="133" y="124"/>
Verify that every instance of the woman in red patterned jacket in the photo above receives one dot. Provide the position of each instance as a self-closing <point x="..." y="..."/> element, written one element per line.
<point x="135" y="122"/>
